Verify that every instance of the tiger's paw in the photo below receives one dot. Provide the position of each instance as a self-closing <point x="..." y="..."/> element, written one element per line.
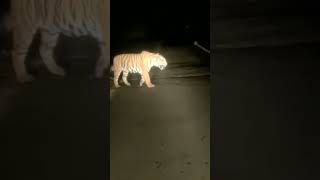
<point x="141" y="83"/>
<point x="58" y="71"/>
<point x="151" y="86"/>
<point x="25" y="78"/>
<point x="128" y="84"/>
<point x="117" y="86"/>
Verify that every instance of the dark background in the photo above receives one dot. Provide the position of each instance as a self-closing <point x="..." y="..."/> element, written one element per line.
<point x="265" y="93"/>
<point x="163" y="21"/>
<point x="255" y="8"/>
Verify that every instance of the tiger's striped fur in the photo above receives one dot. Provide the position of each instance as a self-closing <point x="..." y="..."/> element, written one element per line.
<point x="137" y="63"/>
<point x="52" y="18"/>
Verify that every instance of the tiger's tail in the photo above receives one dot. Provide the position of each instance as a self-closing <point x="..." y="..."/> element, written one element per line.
<point x="6" y="23"/>
<point x="111" y="70"/>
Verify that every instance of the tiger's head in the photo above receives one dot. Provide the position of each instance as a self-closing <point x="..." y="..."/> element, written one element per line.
<point x="159" y="61"/>
<point x="154" y="60"/>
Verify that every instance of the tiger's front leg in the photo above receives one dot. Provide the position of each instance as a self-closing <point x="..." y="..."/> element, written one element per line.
<point x="116" y="75"/>
<point x="103" y="61"/>
<point x="22" y="39"/>
<point x="48" y="42"/>
<point x="146" y="77"/>
<point x="125" y="78"/>
<point x="141" y="80"/>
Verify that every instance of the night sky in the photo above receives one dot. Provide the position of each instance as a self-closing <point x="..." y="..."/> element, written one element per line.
<point x="163" y="20"/>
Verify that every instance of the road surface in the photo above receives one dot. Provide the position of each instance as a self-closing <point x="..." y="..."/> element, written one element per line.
<point x="265" y="111"/>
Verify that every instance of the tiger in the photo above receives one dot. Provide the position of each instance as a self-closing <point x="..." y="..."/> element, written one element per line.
<point x="51" y="18"/>
<point x="140" y="63"/>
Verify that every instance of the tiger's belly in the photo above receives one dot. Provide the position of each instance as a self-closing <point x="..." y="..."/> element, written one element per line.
<point x="77" y="32"/>
<point x="134" y="70"/>
<point x="74" y="30"/>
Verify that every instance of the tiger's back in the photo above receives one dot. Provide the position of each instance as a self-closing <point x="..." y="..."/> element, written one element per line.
<point x="128" y="62"/>
<point x="72" y="17"/>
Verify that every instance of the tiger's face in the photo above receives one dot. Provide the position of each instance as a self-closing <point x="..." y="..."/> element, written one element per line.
<point x="160" y="62"/>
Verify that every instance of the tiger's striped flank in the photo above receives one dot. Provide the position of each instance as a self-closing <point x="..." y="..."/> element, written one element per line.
<point x="140" y="63"/>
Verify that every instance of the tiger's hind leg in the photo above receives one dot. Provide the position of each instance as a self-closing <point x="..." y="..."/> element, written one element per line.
<point x="104" y="60"/>
<point x="102" y="34"/>
<point x="141" y="80"/>
<point x="116" y="75"/>
<point x="101" y="64"/>
<point x="125" y="78"/>
<point x="22" y="39"/>
<point x="48" y="42"/>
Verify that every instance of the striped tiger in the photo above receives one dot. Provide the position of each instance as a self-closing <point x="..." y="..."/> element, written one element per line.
<point x="54" y="17"/>
<point x="136" y="63"/>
